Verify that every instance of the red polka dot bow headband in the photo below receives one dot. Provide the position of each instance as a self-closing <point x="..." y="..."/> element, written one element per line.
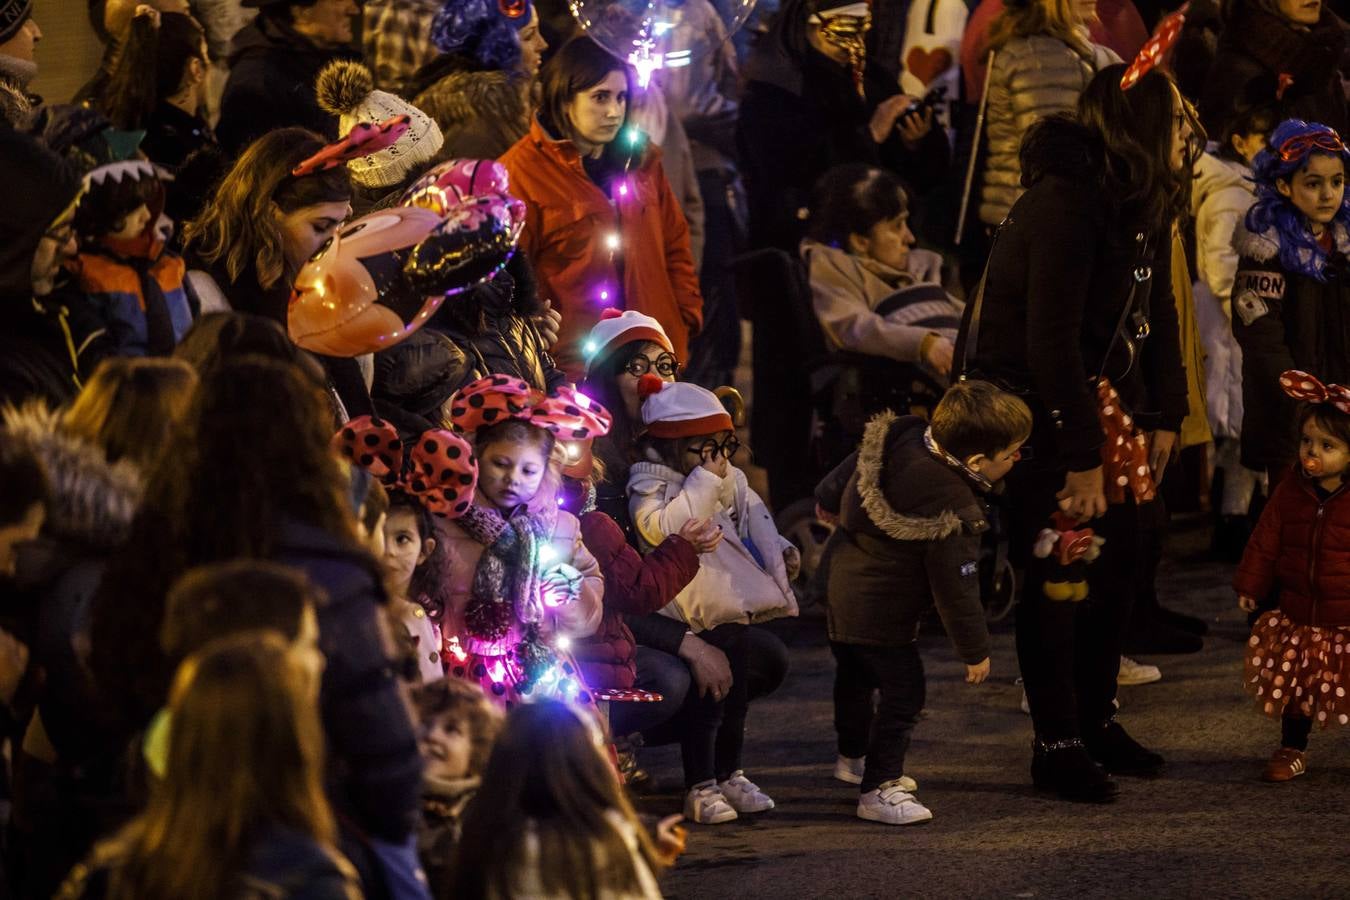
<point x="1305" y="387"/>
<point x="569" y="414"/>
<point x="1155" y="49"/>
<point x="439" y="469"/>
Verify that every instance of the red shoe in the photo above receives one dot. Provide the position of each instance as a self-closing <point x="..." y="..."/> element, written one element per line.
<point x="1286" y="765"/>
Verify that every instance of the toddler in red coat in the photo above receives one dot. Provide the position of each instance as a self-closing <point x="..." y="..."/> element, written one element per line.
<point x="1298" y="657"/>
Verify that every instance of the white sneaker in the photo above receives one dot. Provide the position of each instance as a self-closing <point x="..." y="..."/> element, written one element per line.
<point x="850" y="771"/>
<point x="1132" y="672"/>
<point x="744" y="795"/>
<point x="706" y="805"/>
<point x="892" y="805"/>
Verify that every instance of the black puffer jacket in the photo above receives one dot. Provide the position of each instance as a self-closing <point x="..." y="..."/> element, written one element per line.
<point x="271" y="84"/>
<point x="418" y="375"/>
<point x="1060" y="274"/>
<point x="1257" y="47"/>
<point x="1286" y="320"/>
<point x="908" y="537"/>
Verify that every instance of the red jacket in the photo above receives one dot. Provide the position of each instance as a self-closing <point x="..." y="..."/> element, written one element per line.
<point x="567" y="223"/>
<point x="1301" y="544"/>
<point x="635" y="585"/>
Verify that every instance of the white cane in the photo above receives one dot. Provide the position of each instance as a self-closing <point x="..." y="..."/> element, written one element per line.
<point x="974" y="150"/>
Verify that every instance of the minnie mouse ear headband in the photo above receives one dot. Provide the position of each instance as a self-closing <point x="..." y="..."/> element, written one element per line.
<point x="680" y="409"/>
<point x="1305" y="387"/>
<point x="363" y="140"/>
<point x="439" y="470"/>
<point x="1155" y="49"/>
<point x="569" y="414"/>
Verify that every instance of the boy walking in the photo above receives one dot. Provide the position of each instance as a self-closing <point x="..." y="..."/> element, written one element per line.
<point x="912" y="508"/>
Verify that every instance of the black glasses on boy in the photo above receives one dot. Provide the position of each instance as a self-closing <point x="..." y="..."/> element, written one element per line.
<point x="666" y="365"/>
<point x="711" y="449"/>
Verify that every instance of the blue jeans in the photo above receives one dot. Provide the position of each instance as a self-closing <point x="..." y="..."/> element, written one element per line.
<point x="660" y="673"/>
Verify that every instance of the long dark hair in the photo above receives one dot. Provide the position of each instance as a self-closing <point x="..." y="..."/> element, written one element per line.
<point x="245" y="752"/>
<point x="236" y="228"/>
<point x="251" y="455"/>
<point x="614" y="450"/>
<point x="547" y="775"/>
<point x="150" y="68"/>
<point x="1135" y="128"/>
<point x="430" y="586"/>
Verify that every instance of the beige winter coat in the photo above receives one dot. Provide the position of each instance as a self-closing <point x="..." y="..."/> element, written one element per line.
<point x="846" y="290"/>
<point x="730" y="586"/>
<point x="1033" y="77"/>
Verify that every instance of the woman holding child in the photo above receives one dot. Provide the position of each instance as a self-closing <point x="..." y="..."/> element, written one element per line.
<point x="1069" y="303"/>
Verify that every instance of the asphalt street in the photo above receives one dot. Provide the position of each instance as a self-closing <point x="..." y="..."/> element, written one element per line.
<point x="1209" y="827"/>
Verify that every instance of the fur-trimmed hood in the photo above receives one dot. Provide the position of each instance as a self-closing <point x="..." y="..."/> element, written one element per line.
<point x="907" y="493"/>
<point x="93" y="501"/>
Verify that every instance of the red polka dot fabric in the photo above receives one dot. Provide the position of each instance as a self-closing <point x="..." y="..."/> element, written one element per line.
<point x="1125" y="453"/>
<point x="438" y="469"/>
<point x="1299" y="669"/>
<point x="567" y="413"/>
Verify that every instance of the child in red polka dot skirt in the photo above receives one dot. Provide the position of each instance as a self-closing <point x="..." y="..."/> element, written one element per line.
<point x="1298" y="657"/>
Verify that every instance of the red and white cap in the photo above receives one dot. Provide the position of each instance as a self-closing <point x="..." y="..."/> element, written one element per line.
<point x="680" y="409"/>
<point x="618" y="327"/>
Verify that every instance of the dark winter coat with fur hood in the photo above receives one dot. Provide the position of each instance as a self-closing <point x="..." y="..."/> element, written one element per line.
<point x="481" y="113"/>
<point x="92" y="505"/>
<point x="908" y="537"/>
<point x="1286" y="320"/>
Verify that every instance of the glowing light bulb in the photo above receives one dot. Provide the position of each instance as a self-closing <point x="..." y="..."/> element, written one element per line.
<point x="612" y="241"/>
<point x="590" y="347"/>
<point x="547" y="554"/>
<point x="604" y="295"/>
<point x="623" y="190"/>
<point x="564" y="642"/>
<point x="583" y="401"/>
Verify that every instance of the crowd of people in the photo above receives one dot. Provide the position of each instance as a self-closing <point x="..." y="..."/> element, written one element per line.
<point x="373" y="490"/>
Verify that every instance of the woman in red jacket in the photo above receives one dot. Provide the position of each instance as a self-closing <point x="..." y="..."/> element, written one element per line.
<point x="1298" y="657"/>
<point x="603" y="228"/>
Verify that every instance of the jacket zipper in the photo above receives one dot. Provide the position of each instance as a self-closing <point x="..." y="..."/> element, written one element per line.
<point x="1317" y="544"/>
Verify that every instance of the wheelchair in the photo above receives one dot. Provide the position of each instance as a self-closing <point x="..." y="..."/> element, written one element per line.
<point x="809" y="407"/>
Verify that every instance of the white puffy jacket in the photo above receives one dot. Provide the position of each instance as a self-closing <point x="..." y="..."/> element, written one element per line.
<point x="730" y="586"/>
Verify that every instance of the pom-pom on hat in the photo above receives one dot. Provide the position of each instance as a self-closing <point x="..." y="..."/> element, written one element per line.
<point x="347" y="90"/>
<point x="618" y="327"/>
<point x="680" y="409"/>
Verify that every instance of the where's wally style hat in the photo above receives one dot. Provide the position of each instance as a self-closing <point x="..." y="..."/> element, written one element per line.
<point x="618" y="327"/>
<point x="680" y="409"/>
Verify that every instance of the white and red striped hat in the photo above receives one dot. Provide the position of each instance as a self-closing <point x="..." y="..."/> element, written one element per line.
<point x="680" y="409"/>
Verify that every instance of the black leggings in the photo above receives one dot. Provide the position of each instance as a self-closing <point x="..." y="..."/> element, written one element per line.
<point x="1294" y="731"/>
<point x="1069" y="652"/>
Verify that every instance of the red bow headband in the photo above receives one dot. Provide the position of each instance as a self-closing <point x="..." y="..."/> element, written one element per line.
<point x="569" y="414"/>
<point x="1305" y="387"/>
<point x="1155" y="49"/>
<point x="364" y="139"/>
<point x="441" y="471"/>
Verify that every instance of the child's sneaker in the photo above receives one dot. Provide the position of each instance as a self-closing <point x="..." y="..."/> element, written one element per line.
<point x="744" y="795"/>
<point x="707" y="805"/>
<point x="850" y="771"/>
<point x="1135" y="672"/>
<point x="1286" y="765"/>
<point x="892" y="805"/>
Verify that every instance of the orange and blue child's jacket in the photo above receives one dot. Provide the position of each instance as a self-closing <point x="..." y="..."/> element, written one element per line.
<point x="137" y="287"/>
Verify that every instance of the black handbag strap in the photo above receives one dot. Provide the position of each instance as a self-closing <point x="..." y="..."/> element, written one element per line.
<point x="1141" y="276"/>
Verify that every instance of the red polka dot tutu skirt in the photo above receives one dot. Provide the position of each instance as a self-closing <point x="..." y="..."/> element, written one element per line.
<point x="1299" y="669"/>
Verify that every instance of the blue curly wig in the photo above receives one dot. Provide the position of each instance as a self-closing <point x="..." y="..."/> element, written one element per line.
<point x="1299" y="250"/>
<point x="477" y="29"/>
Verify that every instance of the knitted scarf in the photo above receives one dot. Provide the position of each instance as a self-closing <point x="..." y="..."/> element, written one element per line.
<point x="506" y="584"/>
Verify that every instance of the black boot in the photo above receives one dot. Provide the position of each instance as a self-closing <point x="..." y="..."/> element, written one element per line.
<point x="1066" y="768"/>
<point x="1120" y="754"/>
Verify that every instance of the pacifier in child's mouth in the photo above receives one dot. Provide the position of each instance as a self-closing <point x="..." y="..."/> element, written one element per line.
<point x="1312" y="467"/>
